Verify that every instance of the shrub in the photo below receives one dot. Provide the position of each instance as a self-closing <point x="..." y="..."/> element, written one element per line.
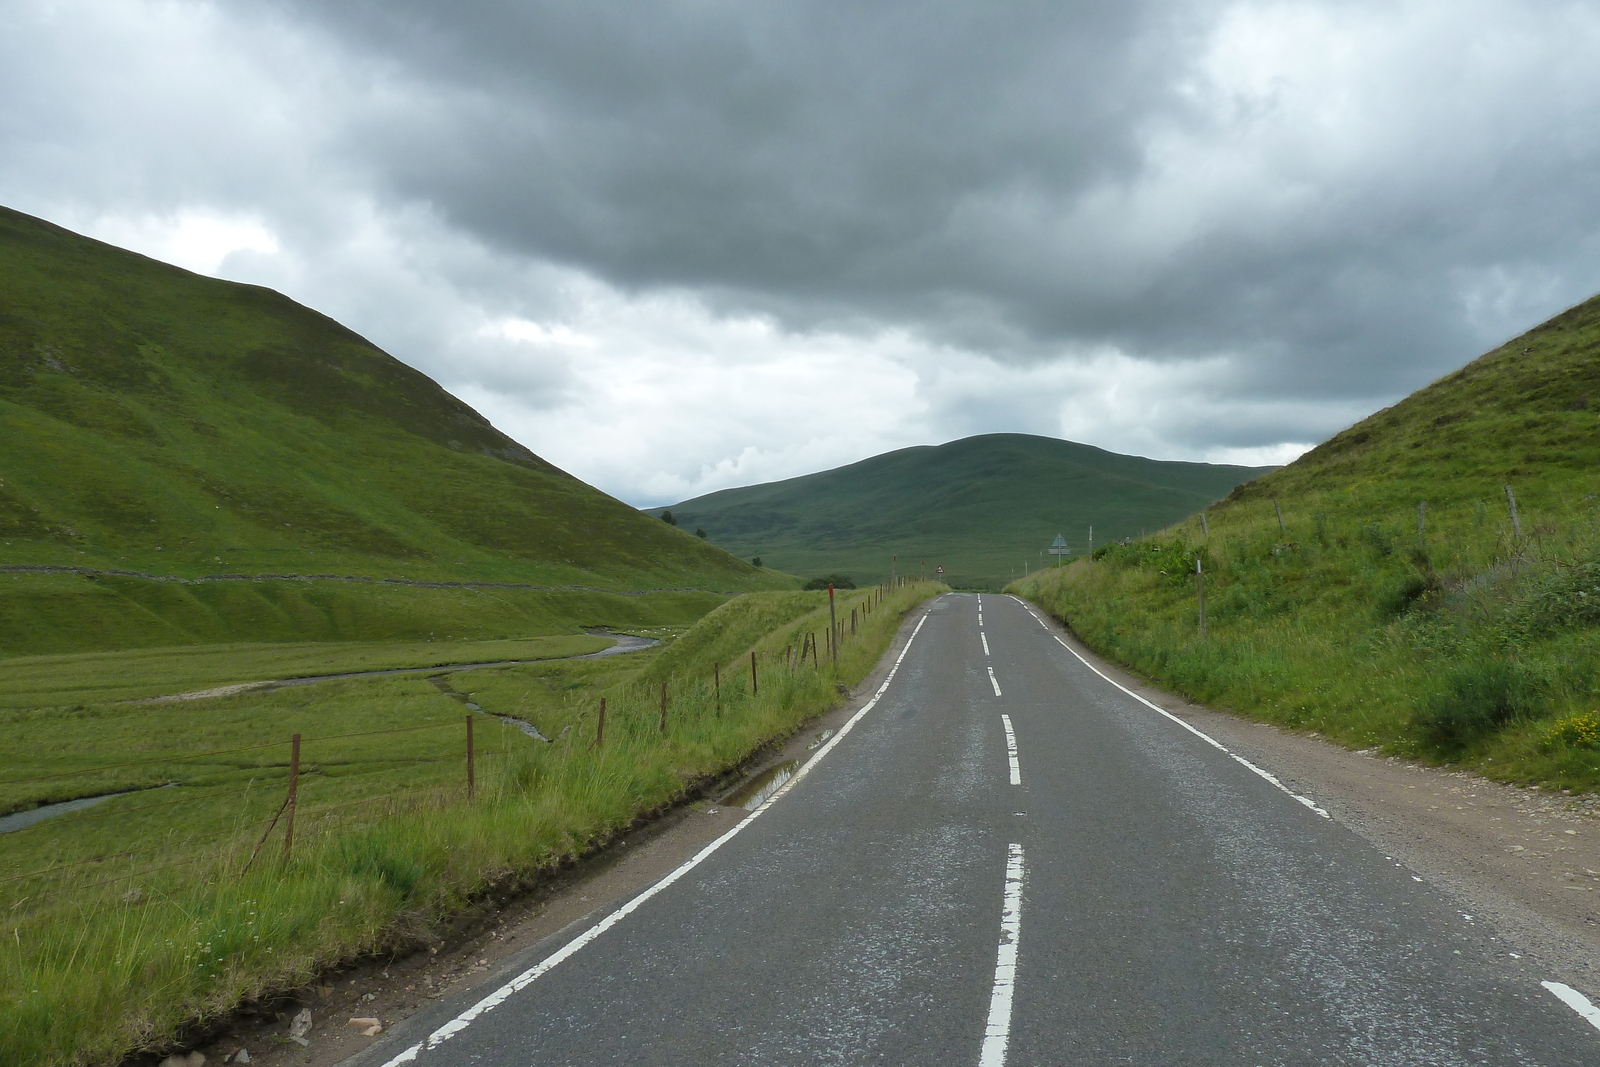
<point x="1575" y="731"/>
<point x="1477" y="698"/>
<point x="838" y="581"/>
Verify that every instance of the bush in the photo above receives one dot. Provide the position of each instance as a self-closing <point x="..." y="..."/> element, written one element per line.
<point x="838" y="581"/>
<point x="1476" y="699"/>
<point x="1575" y="731"/>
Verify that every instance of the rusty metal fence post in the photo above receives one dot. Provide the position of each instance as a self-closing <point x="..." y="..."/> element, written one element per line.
<point x="294" y="790"/>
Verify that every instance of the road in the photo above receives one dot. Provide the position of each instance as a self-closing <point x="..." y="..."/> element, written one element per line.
<point x="1007" y="859"/>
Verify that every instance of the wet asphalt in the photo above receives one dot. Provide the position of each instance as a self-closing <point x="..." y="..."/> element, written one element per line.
<point x="1176" y="908"/>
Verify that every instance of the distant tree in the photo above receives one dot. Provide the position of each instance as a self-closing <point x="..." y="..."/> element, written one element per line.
<point x="698" y="532"/>
<point x="666" y="517"/>
<point x="756" y="560"/>
<point x="838" y="581"/>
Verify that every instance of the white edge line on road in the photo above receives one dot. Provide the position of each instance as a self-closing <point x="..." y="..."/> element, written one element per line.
<point x="997" y="1033"/>
<point x="1576" y="1001"/>
<point x="521" y="981"/>
<point x="1011" y="750"/>
<point x="1207" y="738"/>
<point x="985" y="638"/>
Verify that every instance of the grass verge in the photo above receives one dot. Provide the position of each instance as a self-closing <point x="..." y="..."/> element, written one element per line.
<point x="1462" y="643"/>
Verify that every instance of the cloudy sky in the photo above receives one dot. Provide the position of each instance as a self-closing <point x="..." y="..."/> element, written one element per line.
<point x="677" y="245"/>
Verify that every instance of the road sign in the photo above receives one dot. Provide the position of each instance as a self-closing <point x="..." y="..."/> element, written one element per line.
<point x="1058" y="548"/>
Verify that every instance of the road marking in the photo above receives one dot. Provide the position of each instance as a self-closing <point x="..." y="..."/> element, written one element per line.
<point x="985" y="638"/>
<point x="993" y="682"/>
<point x="1576" y="1001"/>
<point x="1207" y="738"/>
<point x="1011" y="750"/>
<point x="521" y="981"/>
<point x="997" y="1034"/>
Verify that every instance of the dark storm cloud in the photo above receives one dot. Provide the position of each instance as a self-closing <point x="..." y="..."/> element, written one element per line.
<point x="938" y="165"/>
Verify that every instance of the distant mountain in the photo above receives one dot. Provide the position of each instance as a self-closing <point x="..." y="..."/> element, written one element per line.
<point x="982" y="507"/>
<point x="155" y="420"/>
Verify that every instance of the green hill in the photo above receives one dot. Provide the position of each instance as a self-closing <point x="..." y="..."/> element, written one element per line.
<point x="1433" y="585"/>
<point x="160" y="422"/>
<point x="983" y="508"/>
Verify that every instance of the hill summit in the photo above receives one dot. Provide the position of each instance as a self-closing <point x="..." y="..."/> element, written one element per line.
<point x="983" y="507"/>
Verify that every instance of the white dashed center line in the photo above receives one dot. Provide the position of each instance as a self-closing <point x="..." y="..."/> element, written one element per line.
<point x="993" y="682"/>
<point x="985" y="638"/>
<point x="1011" y="750"/>
<point x="997" y="1034"/>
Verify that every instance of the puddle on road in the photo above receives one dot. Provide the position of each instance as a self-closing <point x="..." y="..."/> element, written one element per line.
<point x="823" y="736"/>
<point x="755" y="792"/>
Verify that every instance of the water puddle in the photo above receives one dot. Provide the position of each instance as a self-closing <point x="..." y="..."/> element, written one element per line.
<point x="755" y="792"/>
<point x="819" y="739"/>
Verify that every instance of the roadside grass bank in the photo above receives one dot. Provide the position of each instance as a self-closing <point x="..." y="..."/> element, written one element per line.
<point x="1465" y="644"/>
<point x="1426" y="582"/>
<point x="108" y="954"/>
<point x="43" y="614"/>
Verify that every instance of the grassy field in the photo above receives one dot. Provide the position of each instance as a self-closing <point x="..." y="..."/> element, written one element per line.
<point x="985" y="508"/>
<point x="45" y="613"/>
<point x="145" y="911"/>
<point x="1399" y="605"/>
<point x="158" y="421"/>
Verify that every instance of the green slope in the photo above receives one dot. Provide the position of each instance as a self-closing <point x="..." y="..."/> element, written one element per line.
<point x="158" y="421"/>
<point x="980" y="507"/>
<point x="1474" y="638"/>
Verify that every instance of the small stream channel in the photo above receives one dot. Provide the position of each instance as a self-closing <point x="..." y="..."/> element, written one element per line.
<point x="624" y="643"/>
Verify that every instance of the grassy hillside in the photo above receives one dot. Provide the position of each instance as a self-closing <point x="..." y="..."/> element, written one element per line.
<point x="1399" y="604"/>
<point x="158" y="421"/>
<point x="983" y="507"/>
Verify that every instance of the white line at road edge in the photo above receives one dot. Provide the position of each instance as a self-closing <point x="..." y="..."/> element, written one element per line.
<point x="993" y="682"/>
<point x="521" y="981"/>
<point x="1207" y="738"/>
<point x="1576" y="1001"/>
<point x="1011" y="750"/>
<point x="997" y="1034"/>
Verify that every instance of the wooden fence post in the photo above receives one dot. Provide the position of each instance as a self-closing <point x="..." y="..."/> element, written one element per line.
<point x="716" y="680"/>
<point x="472" y="780"/>
<point x="294" y="793"/>
<point x="1279" y="510"/>
<point x="833" y="628"/>
<point x="1200" y="591"/>
<point x="600" y="726"/>
<point x="1516" y="523"/>
<point x="663" y="707"/>
<point x="755" y="686"/>
<point x="1422" y="516"/>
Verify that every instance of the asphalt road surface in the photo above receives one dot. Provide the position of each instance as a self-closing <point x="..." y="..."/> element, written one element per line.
<point x="1007" y="859"/>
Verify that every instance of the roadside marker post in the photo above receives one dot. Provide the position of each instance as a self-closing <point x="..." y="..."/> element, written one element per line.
<point x="472" y="783"/>
<point x="663" y="707"/>
<point x="755" y="686"/>
<point x="1200" y="592"/>
<point x="600" y="726"/>
<point x="716" y="680"/>
<point x="1516" y="522"/>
